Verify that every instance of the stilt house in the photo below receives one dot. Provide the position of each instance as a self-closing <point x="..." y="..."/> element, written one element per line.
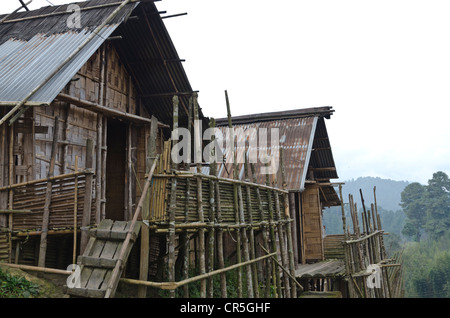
<point x="90" y="94"/>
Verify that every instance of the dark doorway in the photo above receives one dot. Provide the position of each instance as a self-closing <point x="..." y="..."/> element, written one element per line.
<point x="115" y="170"/>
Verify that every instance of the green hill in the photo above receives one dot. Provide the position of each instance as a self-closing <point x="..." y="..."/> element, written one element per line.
<point x="388" y="193"/>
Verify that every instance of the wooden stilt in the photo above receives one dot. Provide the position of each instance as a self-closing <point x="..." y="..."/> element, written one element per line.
<point x="264" y="230"/>
<point x="212" y="214"/>
<point x="145" y="234"/>
<point x="173" y="202"/>
<point x="87" y="197"/>
<point x="75" y="214"/>
<point x="201" y="231"/>
<point x="235" y="198"/>
<point x="273" y="242"/>
<point x="48" y="196"/>
<point x="251" y="231"/>
<point x="290" y="245"/>
<point x="185" y="236"/>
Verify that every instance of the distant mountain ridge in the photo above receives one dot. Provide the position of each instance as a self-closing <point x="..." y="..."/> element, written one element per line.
<point x="388" y="192"/>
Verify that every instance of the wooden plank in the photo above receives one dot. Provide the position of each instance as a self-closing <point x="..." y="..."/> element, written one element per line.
<point x="96" y="279"/>
<point x="97" y="261"/>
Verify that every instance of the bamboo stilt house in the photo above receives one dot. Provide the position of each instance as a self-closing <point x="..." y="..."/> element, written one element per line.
<point x="91" y="96"/>
<point x="309" y="168"/>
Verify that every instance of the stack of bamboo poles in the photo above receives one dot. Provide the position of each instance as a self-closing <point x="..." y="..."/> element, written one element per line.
<point x="203" y="211"/>
<point x="365" y="247"/>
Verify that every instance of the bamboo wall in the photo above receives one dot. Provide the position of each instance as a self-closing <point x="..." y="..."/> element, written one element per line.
<point x="68" y="127"/>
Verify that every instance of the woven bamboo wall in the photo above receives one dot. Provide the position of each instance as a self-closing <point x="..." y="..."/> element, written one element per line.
<point x="32" y="197"/>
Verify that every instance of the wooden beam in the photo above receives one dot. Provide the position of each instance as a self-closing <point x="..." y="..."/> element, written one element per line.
<point x="106" y="110"/>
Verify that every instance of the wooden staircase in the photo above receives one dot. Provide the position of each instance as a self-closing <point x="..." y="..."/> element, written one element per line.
<point x="101" y="257"/>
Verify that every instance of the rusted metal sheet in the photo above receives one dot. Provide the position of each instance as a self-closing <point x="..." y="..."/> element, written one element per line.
<point x="303" y="136"/>
<point x="33" y="44"/>
<point x="36" y="45"/>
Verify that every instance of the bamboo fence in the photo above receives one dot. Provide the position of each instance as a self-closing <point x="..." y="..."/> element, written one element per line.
<point x="365" y="248"/>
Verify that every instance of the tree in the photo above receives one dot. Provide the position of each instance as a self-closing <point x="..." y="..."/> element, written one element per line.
<point x="437" y="200"/>
<point x="414" y="206"/>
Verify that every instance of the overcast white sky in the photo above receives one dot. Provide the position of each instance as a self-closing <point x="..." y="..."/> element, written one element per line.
<point x="383" y="65"/>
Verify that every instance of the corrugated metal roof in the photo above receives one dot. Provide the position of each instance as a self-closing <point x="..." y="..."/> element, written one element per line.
<point x="34" y="44"/>
<point x="24" y="64"/>
<point x="303" y="136"/>
<point x="295" y="137"/>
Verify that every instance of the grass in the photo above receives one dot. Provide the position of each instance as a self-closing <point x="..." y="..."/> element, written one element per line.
<point x="16" y="287"/>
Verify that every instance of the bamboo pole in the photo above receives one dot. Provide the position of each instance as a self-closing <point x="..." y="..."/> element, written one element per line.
<point x="220" y="246"/>
<point x="268" y="267"/>
<point x="185" y="236"/>
<point x="276" y="269"/>
<point x="75" y="215"/>
<point x="212" y="215"/>
<point x="173" y="201"/>
<point x="48" y="196"/>
<point x="11" y="193"/>
<point x="87" y="204"/>
<point x="251" y="232"/>
<point x="145" y="234"/>
<point x="235" y="195"/>
<point x="290" y="245"/>
<point x="201" y="233"/>
<point x="347" y="250"/>
<point x="184" y="174"/>
<point x="174" y="285"/>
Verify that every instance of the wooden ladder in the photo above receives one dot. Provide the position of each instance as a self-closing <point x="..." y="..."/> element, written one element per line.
<point x="107" y="251"/>
<point x="101" y="256"/>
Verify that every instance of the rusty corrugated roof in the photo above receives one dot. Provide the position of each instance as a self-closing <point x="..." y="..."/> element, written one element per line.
<point x="303" y="136"/>
<point x="34" y="43"/>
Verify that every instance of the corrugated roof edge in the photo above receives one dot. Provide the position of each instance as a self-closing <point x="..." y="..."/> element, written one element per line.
<point x="324" y="111"/>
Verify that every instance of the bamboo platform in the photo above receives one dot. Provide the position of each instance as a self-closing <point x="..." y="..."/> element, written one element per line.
<point x="100" y="258"/>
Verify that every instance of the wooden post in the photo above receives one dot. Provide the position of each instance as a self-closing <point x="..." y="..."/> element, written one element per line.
<point x="290" y="245"/>
<point x="98" y="169"/>
<point x="251" y="232"/>
<point x="145" y="233"/>
<point x="212" y="214"/>
<point x="173" y="201"/>
<point x="11" y="192"/>
<point x="48" y="196"/>
<point x="220" y="247"/>
<point x="184" y="237"/>
<point x="75" y="214"/>
<point x="87" y="197"/>
<point x="201" y="231"/>
<point x="235" y="197"/>
<point x="273" y="242"/>
<point x="347" y="247"/>
<point x="281" y="243"/>
<point x="268" y="267"/>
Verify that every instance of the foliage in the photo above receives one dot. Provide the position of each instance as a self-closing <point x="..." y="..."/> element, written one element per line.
<point x="427" y="268"/>
<point x="16" y="287"/>
<point x="414" y="209"/>
<point x="427" y="207"/>
<point x="427" y="261"/>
